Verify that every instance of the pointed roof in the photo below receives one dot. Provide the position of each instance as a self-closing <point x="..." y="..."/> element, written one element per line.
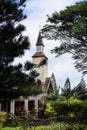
<point x="39" y="40"/>
<point x="39" y="43"/>
<point x="81" y="86"/>
<point x="48" y="84"/>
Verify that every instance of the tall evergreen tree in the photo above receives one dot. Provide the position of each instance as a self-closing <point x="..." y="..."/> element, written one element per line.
<point x="70" y="26"/>
<point x="54" y="82"/>
<point x="66" y="90"/>
<point x="13" y="82"/>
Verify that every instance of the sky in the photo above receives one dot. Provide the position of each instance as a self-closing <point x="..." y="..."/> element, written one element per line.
<point x="62" y="67"/>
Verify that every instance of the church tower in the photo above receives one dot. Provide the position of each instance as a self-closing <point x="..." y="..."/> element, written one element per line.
<point x="39" y="58"/>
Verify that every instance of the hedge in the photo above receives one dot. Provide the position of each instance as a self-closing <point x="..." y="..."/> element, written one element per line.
<point x="76" y="111"/>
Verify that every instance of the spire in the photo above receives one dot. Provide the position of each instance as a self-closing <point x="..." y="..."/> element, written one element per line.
<point x="39" y="40"/>
<point x="39" y="47"/>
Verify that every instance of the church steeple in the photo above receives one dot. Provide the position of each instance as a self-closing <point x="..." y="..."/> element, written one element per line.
<point x="38" y="57"/>
<point x="39" y="44"/>
<point x="39" y="40"/>
<point x="39" y="47"/>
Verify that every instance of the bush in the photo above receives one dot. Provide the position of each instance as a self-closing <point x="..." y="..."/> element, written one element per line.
<point x="24" y="120"/>
<point x="2" y="118"/>
<point x="49" y="111"/>
<point x="75" y="109"/>
<point x="61" y="107"/>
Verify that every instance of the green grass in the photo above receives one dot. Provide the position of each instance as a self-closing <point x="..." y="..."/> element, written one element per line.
<point x="18" y="128"/>
<point x="50" y="127"/>
<point x="8" y="128"/>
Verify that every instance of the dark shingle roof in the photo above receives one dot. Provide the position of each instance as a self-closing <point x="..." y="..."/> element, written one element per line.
<point x="39" y="54"/>
<point x="39" y="40"/>
<point x="80" y="88"/>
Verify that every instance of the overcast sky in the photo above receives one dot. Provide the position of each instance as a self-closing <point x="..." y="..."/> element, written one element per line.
<point x="62" y="67"/>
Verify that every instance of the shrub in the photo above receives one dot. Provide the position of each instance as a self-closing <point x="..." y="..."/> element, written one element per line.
<point x="2" y="118"/>
<point x="75" y="109"/>
<point x="49" y="111"/>
<point x="61" y="107"/>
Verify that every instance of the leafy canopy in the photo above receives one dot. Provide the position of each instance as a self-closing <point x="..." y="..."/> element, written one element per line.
<point x="70" y="27"/>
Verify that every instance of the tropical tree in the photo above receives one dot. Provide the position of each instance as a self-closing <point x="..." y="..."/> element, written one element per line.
<point x="70" y="27"/>
<point x="13" y="82"/>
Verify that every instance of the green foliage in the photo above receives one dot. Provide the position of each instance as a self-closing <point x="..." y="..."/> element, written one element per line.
<point x="2" y="118"/>
<point x="66" y="90"/>
<point x="61" y="107"/>
<point x="75" y="110"/>
<point x="13" y="80"/>
<point x="49" y="111"/>
<point x="81" y="95"/>
<point x="74" y="100"/>
<point x="53" y="127"/>
<point x="52" y="97"/>
<point x="80" y="27"/>
<point x="70" y="26"/>
<point x="23" y="122"/>
<point x="54" y="83"/>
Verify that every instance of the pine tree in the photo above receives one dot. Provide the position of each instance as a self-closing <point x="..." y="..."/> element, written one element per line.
<point x="54" y="82"/>
<point x="13" y="82"/>
<point x="66" y="90"/>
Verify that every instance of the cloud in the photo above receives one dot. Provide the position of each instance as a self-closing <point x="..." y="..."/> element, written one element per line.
<point x="48" y="6"/>
<point x="63" y="68"/>
<point x="37" y="11"/>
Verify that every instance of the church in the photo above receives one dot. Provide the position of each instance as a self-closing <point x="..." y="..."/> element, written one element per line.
<point x="48" y="85"/>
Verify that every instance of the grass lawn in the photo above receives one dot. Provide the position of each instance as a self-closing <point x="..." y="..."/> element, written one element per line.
<point x="50" y="127"/>
<point x="37" y="128"/>
<point x="18" y="128"/>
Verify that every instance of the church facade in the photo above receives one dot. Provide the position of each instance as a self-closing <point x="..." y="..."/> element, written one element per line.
<point x="16" y="106"/>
